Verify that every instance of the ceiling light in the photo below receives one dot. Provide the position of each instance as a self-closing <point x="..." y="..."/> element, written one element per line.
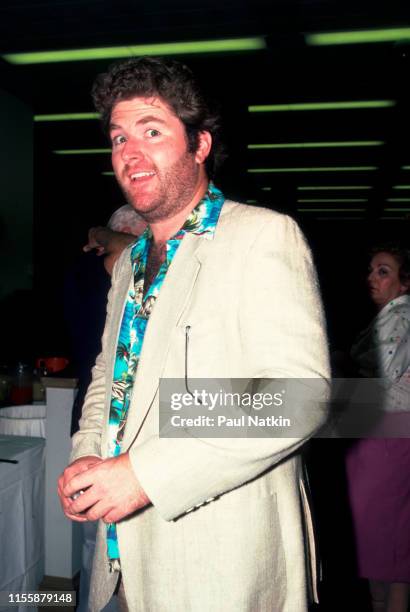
<point x="108" y="173"/>
<point x="333" y="210"/>
<point x="352" y="37"/>
<point x="318" y="145"/>
<point x="81" y="151"/>
<point x="401" y="187"/>
<point x="314" y="169"/>
<point x="397" y="209"/>
<point x="405" y="167"/>
<point x="339" y="218"/>
<point x="67" y="117"/>
<point x="172" y="48"/>
<point x="397" y="199"/>
<point x="309" y="106"/>
<point x="333" y="187"/>
<point x="328" y="200"/>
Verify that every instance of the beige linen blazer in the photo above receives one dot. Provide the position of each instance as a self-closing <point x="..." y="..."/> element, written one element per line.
<point x="225" y="529"/>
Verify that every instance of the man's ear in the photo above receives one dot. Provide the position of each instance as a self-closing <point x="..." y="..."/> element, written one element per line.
<point x="204" y="147"/>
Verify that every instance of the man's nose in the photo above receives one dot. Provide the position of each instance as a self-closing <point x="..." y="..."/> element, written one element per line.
<point x="131" y="150"/>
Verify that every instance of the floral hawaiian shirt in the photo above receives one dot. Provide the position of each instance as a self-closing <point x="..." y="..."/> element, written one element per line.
<point x="202" y="221"/>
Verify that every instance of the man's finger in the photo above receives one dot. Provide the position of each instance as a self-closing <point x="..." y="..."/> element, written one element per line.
<point x="85" y="500"/>
<point x="76" y="517"/>
<point x="113" y="516"/>
<point x="77" y="483"/>
<point x="77" y="468"/>
<point x="66" y="507"/>
<point x="98" y="511"/>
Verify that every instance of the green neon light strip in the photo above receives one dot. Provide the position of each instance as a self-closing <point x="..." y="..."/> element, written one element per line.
<point x="266" y="188"/>
<point x="401" y="187"/>
<point x="110" y="173"/>
<point x="315" y="169"/>
<point x="81" y="151"/>
<point x="328" y="200"/>
<point x="333" y="187"/>
<point x="310" y="106"/>
<point x="397" y="199"/>
<point x="339" y="218"/>
<point x="67" y="117"/>
<point x="173" y="48"/>
<point x="318" y="145"/>
<point x="405" y="167"/>
<point x="397" y="209"/>
<point x="331" y="210"/>
<point x="353" y="37"/>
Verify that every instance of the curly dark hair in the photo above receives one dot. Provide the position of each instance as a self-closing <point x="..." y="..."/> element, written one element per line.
<point x="175" y="84"/>
<point x="401" y="254"/>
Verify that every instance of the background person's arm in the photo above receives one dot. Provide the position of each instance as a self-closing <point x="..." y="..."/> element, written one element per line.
<point x="109" y="243"/>
<point x="393" y="343"/>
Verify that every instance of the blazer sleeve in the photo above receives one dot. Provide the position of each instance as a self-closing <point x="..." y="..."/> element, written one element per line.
<point x="282" y="335"/>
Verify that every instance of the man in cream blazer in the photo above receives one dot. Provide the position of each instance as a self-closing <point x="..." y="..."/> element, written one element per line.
<point x="202" y="524"/>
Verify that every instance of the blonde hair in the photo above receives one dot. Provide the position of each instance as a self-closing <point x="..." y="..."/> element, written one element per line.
<point x="126" y="219"/>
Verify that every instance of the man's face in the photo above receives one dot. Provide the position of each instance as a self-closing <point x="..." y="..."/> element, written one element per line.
<point x="150" y="157"/>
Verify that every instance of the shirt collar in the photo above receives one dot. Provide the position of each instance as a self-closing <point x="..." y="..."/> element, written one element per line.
<point x="401" y="300"/>
<point x="202" y="221"/>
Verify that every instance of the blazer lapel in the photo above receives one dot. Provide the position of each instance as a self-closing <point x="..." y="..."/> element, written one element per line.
<point x="117" y="310"/>
<point x="174" y="295"/>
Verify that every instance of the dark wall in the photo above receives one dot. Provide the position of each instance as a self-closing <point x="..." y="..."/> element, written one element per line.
<point x="16" y="194"/>
<point x="16" y="227"/>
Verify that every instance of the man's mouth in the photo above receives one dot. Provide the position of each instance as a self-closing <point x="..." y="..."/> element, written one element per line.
<point x="136" y="176"/>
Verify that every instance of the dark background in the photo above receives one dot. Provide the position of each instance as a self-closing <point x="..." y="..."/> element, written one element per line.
<point x="71" y="194"/>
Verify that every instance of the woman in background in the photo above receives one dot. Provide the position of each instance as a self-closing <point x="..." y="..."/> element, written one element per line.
<point x="378" y="470"/>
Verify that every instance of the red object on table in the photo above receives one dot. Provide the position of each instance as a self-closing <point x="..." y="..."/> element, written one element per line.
<point x="52" y="364"/>
<point x="21" y="395"/>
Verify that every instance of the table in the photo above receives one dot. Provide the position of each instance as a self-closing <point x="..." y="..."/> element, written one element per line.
<point x="52" y="421"/>
<point x="26" y="420"/>
<point x="21" y="514"/>
<point x="61" y="534"/>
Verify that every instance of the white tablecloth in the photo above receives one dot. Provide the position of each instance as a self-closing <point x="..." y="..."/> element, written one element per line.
<point x="27" y="420"/>
<point x="21" y="514"/>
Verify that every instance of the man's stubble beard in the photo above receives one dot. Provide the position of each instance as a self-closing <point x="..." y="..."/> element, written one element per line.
<point x="177" y="186"/>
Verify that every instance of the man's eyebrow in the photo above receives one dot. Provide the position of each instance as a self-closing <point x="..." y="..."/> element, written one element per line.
<point x="142" y="121"/>
<point x="149" y="119"/>
<point x="114" y="126"/>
